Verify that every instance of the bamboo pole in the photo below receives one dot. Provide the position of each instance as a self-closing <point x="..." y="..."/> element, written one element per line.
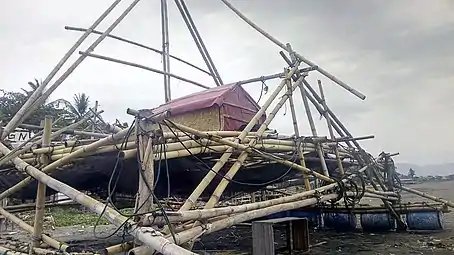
<point x="79" y="60"/>
<point x="181" y="216"/>
<point x="184" y="12"/>
<point x="71" y="131"/>
<point x="272" y="76"/>
<point x="60" y="162"/>
<point x="307" y="184"/>
<point x="5" y="251"/>
<point x="142" y="250"/>
<point x="23" y="148"/>
<point x="300" y="57"/>
<point x="250" y="150"/>
<point x="172" y="146"/>
<point x="65" y="75"/>
<point x="139" y="45"/>
<point x="115" y="249"/>
<point x="211" y="174"/>
<point x="189" y="234"/>
<point x="425" y="195"/>
<point x="330" y="127"/>
<point x="146" y="178"/>
<point x="47" y="239"/>
<point x="165" y="50"/>
<point x="244" y="154"/>
<point x="88" y="54"/>
<point x="313" y="130"/>
<point x="264" y="155"/>
<point x="27" y="108"/>
<point x="41" y="189"/>
<point x="148" y="236"/>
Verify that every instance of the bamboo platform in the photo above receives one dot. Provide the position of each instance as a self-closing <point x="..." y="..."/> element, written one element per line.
<point x="211" y="179"/>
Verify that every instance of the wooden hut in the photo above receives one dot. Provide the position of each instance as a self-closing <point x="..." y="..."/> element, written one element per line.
<point x="227" y="107"/>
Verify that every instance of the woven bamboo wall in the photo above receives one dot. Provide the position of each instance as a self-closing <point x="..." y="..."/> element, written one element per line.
<point x="204" y="120"/>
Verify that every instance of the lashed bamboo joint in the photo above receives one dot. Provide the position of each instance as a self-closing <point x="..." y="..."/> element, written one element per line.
<point x="196" y="164"/>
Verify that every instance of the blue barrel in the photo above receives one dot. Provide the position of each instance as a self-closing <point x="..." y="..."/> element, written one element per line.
<point x="377" y="222"/>
<point x="340" y="221"/>
<point x="425" y="220"/>
<point x="275" y="216"/>
<point x="311" y="215"/>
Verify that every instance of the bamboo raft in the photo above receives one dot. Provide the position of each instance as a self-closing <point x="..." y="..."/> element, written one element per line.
<point x="221" y="163"/>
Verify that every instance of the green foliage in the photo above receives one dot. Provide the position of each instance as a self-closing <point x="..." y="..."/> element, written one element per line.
<point x="73" y="216"/>
<point x="79" y="107"/>
<point x="70" y="216"/>
<point x="11" y="102"/>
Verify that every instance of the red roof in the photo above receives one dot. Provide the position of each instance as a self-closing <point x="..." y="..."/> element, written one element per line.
<point x="231" y="93"/>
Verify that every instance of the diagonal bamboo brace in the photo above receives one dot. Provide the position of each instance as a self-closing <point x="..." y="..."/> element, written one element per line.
<point x="242" y="157"/>
<point x="223" y="159"/>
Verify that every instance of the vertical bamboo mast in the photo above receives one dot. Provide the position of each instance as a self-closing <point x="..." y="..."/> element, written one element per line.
<point x="41" y="190"/>
<point x="244" y="154"/>
<point x="146" y="177"/>
<point x="313" y="130"/>
<point x="330" y="127"/>
<point x="307" y="184"/>
<point x="223" y="159"/>
<point x="198" y="41"/>
<point x="27" y="108"/>
<point x="165" y="50"/>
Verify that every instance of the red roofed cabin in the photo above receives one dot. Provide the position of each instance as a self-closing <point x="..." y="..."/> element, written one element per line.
<point x="223" y="108"/>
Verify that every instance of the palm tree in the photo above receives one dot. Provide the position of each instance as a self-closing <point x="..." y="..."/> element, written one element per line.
<point x="32" y="85"/>
<point x="79" y="107"/>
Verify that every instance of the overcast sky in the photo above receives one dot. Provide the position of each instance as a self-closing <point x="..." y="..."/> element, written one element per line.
<point x="398" y="53"/>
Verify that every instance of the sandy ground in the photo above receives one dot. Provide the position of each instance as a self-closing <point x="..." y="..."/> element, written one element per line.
<point x="239" y="238"/>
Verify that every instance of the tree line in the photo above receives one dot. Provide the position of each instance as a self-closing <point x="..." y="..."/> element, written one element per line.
<point x="66" y="112"/>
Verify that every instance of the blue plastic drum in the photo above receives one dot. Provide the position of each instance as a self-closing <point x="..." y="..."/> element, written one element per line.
<point x="425" y="220"/>
<point x="377" y="222"/>
<point x="311" y="215"/>
<point x="340" y="221"/>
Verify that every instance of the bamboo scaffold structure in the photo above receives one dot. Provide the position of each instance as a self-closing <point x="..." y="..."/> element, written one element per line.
<point x="331" y="170"/>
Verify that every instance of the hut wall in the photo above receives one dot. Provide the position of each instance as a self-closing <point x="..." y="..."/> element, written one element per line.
<point x="205" y="119"/>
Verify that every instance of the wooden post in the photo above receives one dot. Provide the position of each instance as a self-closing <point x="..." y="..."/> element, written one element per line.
<point x="146" y="177"/>
<point x="41" y="190"/>
<point x="93" y="122"/>
<point x="262" y="238"/>
<point x="300" y="235"/>
<point x="263" y="235"/>
<point x="330" y="127"/>
<point x="307" y="184"/>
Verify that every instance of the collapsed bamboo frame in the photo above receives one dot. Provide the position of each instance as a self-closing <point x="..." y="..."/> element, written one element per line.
<point x="229" y="146"/>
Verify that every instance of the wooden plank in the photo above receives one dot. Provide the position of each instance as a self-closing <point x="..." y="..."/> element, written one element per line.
<point x="262" y="238"/>
<point x="300" y="235"/>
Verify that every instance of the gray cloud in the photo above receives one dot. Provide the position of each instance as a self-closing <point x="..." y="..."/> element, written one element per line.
<point x="399" y="53"/>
